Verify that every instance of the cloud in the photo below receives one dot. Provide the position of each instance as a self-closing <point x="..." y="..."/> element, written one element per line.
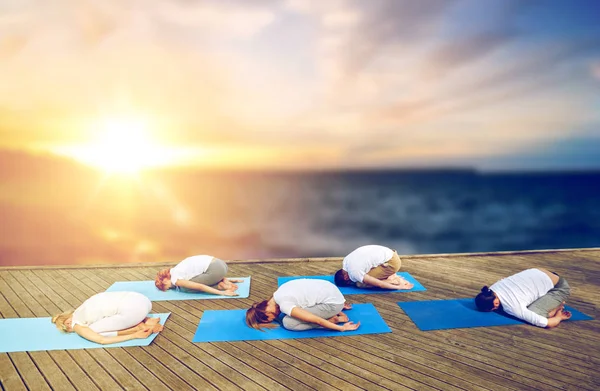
<point x="595" y="70"/>
<point x="235" y="19"/>
<point x="354" y="33"/>
<point x="466" y="50"/>
<point x="351" y="77"/>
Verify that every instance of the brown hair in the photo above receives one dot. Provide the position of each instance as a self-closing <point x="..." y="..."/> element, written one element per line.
<point x="257" y="317"/>
<point x="160" y="276"/>
<point x="59" y="320"/>
<point x="341" y="278"/>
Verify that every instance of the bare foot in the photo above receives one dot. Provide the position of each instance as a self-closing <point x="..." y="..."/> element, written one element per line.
<point x="339" y="318"/>
<point x="157" y="328"/>
<point x="150" y="322"/>
<point x="347" y="306"/>
<point x="557" y="310"/>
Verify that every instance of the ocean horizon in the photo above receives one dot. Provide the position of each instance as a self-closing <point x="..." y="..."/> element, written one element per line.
<point x="68" y="214"/>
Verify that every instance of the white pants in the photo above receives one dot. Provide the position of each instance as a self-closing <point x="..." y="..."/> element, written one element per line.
<point x="133" y="308"/>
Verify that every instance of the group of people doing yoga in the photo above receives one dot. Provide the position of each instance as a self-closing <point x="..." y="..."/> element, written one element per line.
<point x="536" y="296"/>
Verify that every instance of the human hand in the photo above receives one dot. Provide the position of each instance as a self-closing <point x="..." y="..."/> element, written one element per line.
<point x="227" y="285"/>
<point x="350" y="326"/>
<point x="347" y="306"/>
<point x="143" y="334"/>
<point x="229" y="293"/>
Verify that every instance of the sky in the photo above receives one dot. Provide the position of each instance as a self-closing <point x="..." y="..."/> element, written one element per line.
<point x="496" y="85"/>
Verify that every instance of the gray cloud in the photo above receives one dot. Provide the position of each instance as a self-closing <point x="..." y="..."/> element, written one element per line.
<point x="387" y="21"/>
<point x="533" y="74"/>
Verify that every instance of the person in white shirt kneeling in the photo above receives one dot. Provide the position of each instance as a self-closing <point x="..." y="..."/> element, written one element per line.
<point x="372" y="266"/>
<point x="110" y="317"/>
<point x="306" y="303"/>
<point x="200" y="273"/>
<point x="536" y="296"/>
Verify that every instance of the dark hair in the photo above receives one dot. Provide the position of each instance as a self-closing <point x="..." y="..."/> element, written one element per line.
<point x="257" y="316"/>
<point x="341" y="278"/>
<point x="485" y="299"/>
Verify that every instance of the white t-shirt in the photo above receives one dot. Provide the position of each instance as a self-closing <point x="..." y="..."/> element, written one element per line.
<point x="99" y="306"/>
<point x="360" y="261"/>
<point x="306" y="293"/>
<point x="518" y="291"/>
<point x="190" y="268"/>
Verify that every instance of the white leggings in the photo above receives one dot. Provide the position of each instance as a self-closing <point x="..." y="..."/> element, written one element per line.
<point x="133" y="309"/>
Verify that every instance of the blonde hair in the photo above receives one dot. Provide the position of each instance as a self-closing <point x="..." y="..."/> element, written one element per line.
<point x="59" y="320"/>
<point x="257" y="316"/>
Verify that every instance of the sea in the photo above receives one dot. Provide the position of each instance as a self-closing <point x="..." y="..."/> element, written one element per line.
<point x="413" y="211"/>
<point x="59" y="212"/>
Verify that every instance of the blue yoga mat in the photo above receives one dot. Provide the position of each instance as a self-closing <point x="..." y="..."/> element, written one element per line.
<point x="34" y="334"/>
<point x="230" y="325"/>
<point x="352" y="290"/>
<point x="148" y="289"/>
<point x="462" y="313"/>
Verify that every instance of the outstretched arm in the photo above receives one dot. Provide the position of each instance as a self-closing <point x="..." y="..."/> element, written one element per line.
<point x="203" y="288"/>
<point x="380" y="284"/>
<point x="306" y="316"/>
<point x="93" y="336"/>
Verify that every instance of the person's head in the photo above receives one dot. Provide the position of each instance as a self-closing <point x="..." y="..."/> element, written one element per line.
<point x="64" y="321"/>
<point x="262" y="314"/>
<point x="342" y="278"/>
<point x="487" y="300"/>
<point x="163" y="280"/>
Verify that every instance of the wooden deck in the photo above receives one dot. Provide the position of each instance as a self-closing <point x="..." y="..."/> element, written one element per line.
<point x="493" y="358"/>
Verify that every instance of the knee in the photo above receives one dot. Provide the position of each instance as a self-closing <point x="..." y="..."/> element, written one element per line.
<point x="290" y="323"/>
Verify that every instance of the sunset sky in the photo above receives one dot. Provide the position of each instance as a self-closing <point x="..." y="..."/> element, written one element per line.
<point x="125" y="84"/>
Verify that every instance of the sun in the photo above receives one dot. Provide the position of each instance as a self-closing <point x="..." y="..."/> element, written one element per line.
<point x="120" y="146"/>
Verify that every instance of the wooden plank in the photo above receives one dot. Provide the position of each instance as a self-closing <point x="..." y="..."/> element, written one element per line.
<point x="9" y="376"/>
<point x="390" y="367"/>
<point x="495" y="358"/>
<point x="43" y="360"/>
<point x="93" y="370"/>
<point x="274" y="266"/>
<point x="83" y="363"/>
<point x="212" y="377"/>
<point x="124" y="356"/>
<point x="30" y="374"/>
<point x="6" y="310"/>
<point x="112" y="367"/>
<point x="158" y="370"/>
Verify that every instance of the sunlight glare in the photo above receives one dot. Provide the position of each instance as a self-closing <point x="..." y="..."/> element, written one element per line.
<point x="122" y="146"/>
